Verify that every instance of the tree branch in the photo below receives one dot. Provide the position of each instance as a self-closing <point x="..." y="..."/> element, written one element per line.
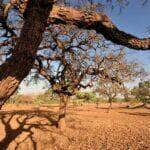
<point x="93" y="21"/>
<point x="98" y="22"/>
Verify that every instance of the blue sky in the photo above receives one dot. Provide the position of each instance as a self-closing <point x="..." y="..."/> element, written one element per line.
<point x="134" y="19"/>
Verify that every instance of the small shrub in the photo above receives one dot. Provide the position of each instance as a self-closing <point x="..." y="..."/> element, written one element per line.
<point x="87" y="96"/>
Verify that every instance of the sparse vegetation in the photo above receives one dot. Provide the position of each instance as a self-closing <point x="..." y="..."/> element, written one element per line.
<point x="46" y="98"/>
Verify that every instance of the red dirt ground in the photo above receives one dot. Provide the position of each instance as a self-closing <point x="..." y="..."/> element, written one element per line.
<point x="30" y="127"/>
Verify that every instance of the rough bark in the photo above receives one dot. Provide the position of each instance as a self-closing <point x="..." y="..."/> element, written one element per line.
<point x="100" y="23"/>
<point x="17" y="67"/>
<point x="62" y="111"/>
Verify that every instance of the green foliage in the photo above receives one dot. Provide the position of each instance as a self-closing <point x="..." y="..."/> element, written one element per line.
<point x="77" y="102"/>
<point x="43" y="99"/>
<point x="116" y="100"/>
<point x="142" y="92"/>
<point x="87" y="96"/>
<point x="48" y="98"/>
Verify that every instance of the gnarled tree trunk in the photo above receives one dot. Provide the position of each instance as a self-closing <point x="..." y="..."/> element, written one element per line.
<point x="16" y="68"/>
<point x="62" y="111"/>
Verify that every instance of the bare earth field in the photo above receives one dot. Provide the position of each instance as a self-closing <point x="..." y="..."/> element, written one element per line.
<point x="31" y="127"/>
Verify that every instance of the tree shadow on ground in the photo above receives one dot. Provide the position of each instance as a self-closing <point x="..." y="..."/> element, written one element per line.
<point x="139" y="106"/>
<point x="136" y="113"/>
<point x="24" y="124"/>
<point x="126" y="107"/>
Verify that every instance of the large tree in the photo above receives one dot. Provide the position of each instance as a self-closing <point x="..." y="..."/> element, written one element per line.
<point x="71" y="59"/>
<point x="35" y="14"/>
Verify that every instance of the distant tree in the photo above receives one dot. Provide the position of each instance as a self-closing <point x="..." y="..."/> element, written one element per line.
<point x="109" y="90"/>
<point x="124" y="71"/>
<point x="142" y="92"/>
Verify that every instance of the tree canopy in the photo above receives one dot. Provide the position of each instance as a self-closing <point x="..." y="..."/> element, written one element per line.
<point x="142" y="92"/>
